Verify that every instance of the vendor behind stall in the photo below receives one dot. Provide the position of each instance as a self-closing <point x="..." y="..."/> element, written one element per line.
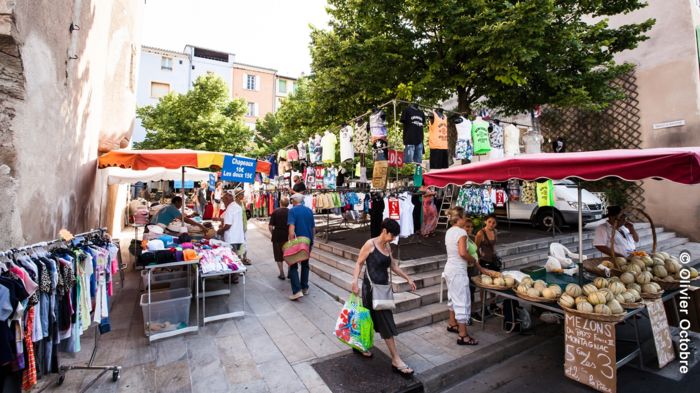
<point x="625" y="235"/>
<point x="172" y="212"/>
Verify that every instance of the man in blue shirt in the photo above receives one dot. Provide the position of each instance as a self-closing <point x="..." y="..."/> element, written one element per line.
<point x="301" y="223"/>
<point x="172" y="212"/>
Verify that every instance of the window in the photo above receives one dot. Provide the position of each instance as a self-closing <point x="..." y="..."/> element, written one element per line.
<point x="166" y="63"/>
<point x="252" y="109"/>
<point x="282" y="86"/>
<point x="251" y="82"/>
<point x="159" y="89"/>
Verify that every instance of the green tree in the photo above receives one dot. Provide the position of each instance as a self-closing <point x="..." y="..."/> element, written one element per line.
<point x="265" y="131"/>
<point x="513" y="54"/>
<point x="204" y="118"/>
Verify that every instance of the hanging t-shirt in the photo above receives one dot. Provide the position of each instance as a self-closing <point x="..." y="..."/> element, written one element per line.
<point x="329" y="177"/>
<point x="319" y="177"/>
<point x="377" y="125"/>
<point x="437" y="132"/>
<point x="318" y="149"/>
<point x="301" y="146"/>
<point x="499" y="197"/>
<point x="311" y="150"/>
<point x="347" y="152"/>
<point x="328" y="145"/>
<point x="511" y="141"/>
<point x="292" y="155"/>
<point x="363" y="175"/>
<point x="360" y="139"/>
<point x="463" y="147"/>
<point x="545" y="193"/>
<point x="480" y="137"/>
<point x="380" y="150"/>
<point x="413" y="120"/>
<point x="394" y="211"/>
<point x="533" y="142"/>
<point x="513" y="190"/>
<point x="310" y="178"/>
<point x="496" y="139"/>
<point x="282" y="154"/>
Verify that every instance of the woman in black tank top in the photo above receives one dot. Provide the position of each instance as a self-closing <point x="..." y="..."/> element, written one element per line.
<point x="376" y="255"/>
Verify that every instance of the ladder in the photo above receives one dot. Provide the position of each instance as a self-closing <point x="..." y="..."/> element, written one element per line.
<point x="446" y="205"/>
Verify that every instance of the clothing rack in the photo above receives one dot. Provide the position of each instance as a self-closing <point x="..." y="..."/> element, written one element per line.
<point x="116" y="370"/>
<point x="463" y="113"/>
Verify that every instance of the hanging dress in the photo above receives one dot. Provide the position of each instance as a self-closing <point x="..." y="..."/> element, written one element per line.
<point x="430" y="216"/>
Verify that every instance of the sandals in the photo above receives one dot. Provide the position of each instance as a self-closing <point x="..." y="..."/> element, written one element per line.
<point x="471" y="341"/>
<point x="363" y="354"/>
<point x="453" y="329"/>
<point x="403" y="370"/>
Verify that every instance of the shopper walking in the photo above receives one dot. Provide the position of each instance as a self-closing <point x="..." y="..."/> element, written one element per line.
<point x="459" y="298"/>
<point x="201" y="199"/>
<point x="240" y="201"/>
<point x="218" y="194"/>
<point x="376" y="255"/>
<point x="301" y="223"/>
<point x="279" y="229"/>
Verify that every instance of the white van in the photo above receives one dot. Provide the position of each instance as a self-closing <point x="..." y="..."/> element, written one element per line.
<point x="565" y="209"/>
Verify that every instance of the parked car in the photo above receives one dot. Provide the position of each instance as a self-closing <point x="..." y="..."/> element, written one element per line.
<point x="565" y="209"/>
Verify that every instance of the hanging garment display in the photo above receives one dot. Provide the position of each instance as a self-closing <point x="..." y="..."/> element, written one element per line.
<point x="274" y="170"/>
<point x="319" y="176"/>
<point x="328" y="143"/>
<point x="430" y="216"/>
<point x="329" y="178"/>
<point x="292" y="155"/>
<point x="533" y="142"/>
<point x="418" y="176"/>
<point x="301" y="147"/>
<point x="360" y="139"/>
<point x="347" y="152"/>
<point x="463" y="147"/>
<point x="511" y="141"/>
<point x="282" y="154"/>
<point x="496" y="140"/>
<point x="513" y="190"/>
<point x="499" y="197"/>
<point x="437" y="132"/>
<point x="475" y="200"/>
<point x="363" y="175"/>
<point x="417" y="211"/>
<point x="340" y="179"/>
<point x="310" y="177"/>
<point x="413" y="120"/>
<point x="528" y="193"/>
<point x="380" y="150"/>
<point x="545" y="193"/>
<point x="318" y="149"/>
<point x="376" y="213"/>
<point x="400" y="208"/>
<point x="480" y="136"/>
<point x="377" y="125"/>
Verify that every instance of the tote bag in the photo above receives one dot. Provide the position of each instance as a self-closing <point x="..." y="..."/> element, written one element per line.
<point x="382" y="295"/>
<point x="296" y="250"/>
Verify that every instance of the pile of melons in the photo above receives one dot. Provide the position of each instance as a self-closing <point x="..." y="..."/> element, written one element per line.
<point x="602" y="296"/>
<point x="538" y="289"/>
<point x="660" y="266"/>
<point x="505" y="281"/>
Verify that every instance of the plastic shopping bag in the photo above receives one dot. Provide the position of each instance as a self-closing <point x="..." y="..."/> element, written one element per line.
<point x="354" y="326"/>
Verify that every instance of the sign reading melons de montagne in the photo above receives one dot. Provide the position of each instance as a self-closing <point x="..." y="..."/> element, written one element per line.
<point x="238" y="169"/>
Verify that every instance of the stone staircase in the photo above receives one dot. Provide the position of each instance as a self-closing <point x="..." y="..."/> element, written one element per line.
<point x="334" y="264"/>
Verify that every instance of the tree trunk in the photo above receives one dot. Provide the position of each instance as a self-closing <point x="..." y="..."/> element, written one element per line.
<point x="462" y="107"/>
<point x="462" y="100"/>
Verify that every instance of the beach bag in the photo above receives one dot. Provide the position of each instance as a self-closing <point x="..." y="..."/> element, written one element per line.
<point x="296" y="250"/>
<point x="354" y="326"/>
<point x="382" y="295"/>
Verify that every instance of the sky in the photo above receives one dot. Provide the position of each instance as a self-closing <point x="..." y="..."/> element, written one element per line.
<point x="265" y="33"/>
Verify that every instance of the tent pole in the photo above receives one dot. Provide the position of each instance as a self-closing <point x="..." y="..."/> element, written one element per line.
<point x="183" y="194"/>
<point x="580" y="235"/>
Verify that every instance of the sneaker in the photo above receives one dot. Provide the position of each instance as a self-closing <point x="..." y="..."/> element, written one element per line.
<point x="296" y="296"/>
<point x="305" y="291"/>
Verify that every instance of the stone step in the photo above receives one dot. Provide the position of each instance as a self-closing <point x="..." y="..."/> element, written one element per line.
<point x="420" y="317"/>
<point x="410" y="267"/>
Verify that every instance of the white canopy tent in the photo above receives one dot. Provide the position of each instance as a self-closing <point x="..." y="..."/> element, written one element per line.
<point x="129" y="176"/>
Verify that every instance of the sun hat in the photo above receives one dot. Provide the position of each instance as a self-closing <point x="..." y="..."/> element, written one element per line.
<point x="297" y="197"/>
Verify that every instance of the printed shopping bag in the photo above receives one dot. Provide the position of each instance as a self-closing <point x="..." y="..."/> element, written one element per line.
<point x="354" y="326"/>
<point x="296" y="250"/>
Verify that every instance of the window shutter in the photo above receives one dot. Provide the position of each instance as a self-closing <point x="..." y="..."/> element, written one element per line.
<point x="257" y="83"/>
<point x="245" y="81"/>
<point x="256" y="110"/>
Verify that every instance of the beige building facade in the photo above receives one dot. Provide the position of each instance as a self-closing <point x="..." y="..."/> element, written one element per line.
<point x="668" y="80"/>
<point x="257" y="86"/>
<point x="65" y="95"/>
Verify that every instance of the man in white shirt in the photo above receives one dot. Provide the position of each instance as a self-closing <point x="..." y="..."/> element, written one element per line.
<point x="232" y="222"/>
<point x="625" y="235"/>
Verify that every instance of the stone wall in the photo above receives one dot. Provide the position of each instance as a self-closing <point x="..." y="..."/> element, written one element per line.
<point x="65" y="94"/>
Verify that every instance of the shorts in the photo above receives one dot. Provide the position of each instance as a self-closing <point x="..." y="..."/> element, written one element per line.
<point x="438" y="159"/>
<point x="413" y="154"/>
<point x="217" y="200"/>
<point x="277" y="251"/>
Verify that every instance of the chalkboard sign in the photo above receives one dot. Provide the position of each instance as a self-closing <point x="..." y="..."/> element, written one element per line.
<point x="589" y="355"/>
<point x="662" y="334"/>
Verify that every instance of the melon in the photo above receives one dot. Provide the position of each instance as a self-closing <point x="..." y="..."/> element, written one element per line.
<point x="510" y="281"/>
<point x="574" y="290"/>
<point x="693" y="273"/>
<point x="533" y="292"/>
<point x="629" y="297"/>
<point x="668" y="279"/>
<point x="644" y="278"/>
<point x="634" y="269"/>
<point x="548" y="293"/>
<point x="615" y="307"/>
<point x="567" y="300"/>
<point x="585" y="307"/>
<point x="665" y="254"/>
<point x="527" y="281"/>
<point x="660" y="271"/>
<point x="647" y="260"/>
<point x="620" y="298"/>
<point x="499" y="282"/>
<point x="658" y="255"/>
<point x="671" y="267"/>
<point x="657" y="286"/>
<point x="602" y="309"/>
<point x="608" y="295"/>
<point x="627" y="277"/>
<point x="617" y="288"/>
<point x="635" y="293"/>
<point x="648" y="288"/>
<point x="635" y="286"/>
<point x="556" y="288"/>
<point x="600" y="282"/>
<point x="486" y="280"/>
<point x="589" y="288"/>
<point x="597" y="298"/>
<point x="522" y="289"/>
<point x="613" y="279"/>
<point x="539" y="285"/>
<point x="581" y="299"/>
<point x="620" y="261"/>
<point x="658" y="261"/>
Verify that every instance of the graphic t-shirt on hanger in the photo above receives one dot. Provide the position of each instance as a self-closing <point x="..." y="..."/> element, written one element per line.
<point x="511" y="140"/>
<point x="347" y="152"/>
<point x="437" y="132"/>
<point x="413" y="120"/>
<point x="480" y="136"/>
<point x="496" y="139"/>
<point x="377" y="125"/>
<point x="328" y="147"/>
<point x="463" y="147"/>
<point x="360" y="140"/>
<point x="301" y="146"/>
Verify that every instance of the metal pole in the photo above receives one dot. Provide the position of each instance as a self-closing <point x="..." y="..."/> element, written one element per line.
<point x="397" y="152"/>
<point x="580" y="235"/>
<point x="183" y="194"/>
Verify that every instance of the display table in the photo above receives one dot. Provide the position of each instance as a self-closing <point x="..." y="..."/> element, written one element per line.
<point x="220" y="274"/>
<point x="147" y="320"/>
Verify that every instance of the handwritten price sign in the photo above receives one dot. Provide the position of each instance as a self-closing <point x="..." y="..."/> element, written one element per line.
<point x="589" y="355"/>
<point x="662" y="333"/>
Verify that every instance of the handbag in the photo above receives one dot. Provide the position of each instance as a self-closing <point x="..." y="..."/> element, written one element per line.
<point x="382" y="295"/>
<point x="296" y="250"/>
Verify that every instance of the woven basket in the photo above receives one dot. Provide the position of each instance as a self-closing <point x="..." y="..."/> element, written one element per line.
<point x="477" y="281"/>
<point x="667" y="285"/>
<point x="596" y="317"/>
<point x="537" y="299"/>
<point x="652" y="296"/>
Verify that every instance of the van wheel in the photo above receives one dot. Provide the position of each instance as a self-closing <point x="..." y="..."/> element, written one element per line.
<point x="546" y="218"/>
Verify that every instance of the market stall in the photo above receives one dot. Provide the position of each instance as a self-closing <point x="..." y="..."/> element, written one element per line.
<point x="639" y="284"/>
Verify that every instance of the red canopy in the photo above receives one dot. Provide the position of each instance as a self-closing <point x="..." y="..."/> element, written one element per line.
<point x="680" y="165"/>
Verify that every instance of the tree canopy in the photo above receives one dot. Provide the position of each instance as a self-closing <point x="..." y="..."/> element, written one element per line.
<point x="204" y="118"/>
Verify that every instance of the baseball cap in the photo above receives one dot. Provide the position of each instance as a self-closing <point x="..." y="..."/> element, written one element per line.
<point x="297" y="197"/>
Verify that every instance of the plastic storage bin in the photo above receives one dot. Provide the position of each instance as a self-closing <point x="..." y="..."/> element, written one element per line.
<point x="165" y="280"/>
<point x="170" y="310"/>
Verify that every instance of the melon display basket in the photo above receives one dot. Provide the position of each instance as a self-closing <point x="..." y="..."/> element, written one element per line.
<point x="667" y="285"/>
<point x="652" y="296"/>
<point x="591" y="264"/>
<point x="536" y="299"/>
<point x="477" y="281"/>
<point x="594" y="316"/>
